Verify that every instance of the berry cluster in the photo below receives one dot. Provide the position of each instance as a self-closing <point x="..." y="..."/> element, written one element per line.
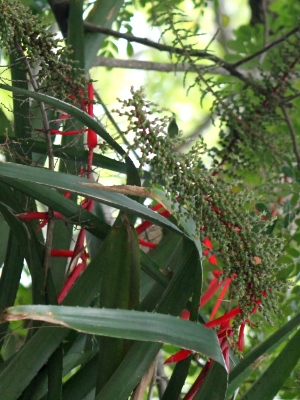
<point x="248" y="256"/>
<point x="24" y="35"/>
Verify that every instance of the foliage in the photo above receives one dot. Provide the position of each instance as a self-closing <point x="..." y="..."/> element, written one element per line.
<point x="106" y="292"/>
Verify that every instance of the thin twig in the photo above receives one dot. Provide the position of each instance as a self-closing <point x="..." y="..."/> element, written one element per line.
<point x="292" y="133"/>
<point x="194" y="135"/>
<point x="113" y="122"/>
<point x="51" y="223"/>
<point x="288" y="99"/>
<point x="266" y="48"/>
<point x="42" y="107"/>
<point x="149" y="43"/>
<point x="266" y="28"/>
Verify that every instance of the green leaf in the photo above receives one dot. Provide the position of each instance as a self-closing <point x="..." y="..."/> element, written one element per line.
<point x="287" y="171"/>
<point x="10" y="278"/>
<point x="262" y="207"/>
<point x="4" y="229"/>
<point x="209" y="390"/>
<point x="75" y="37"/>
<point x="71" y="153"/>
<point x="119" y="290"/>
<point x="187" y="223"/>
<point x="48" y="337"/>
<point x="29" y="246"/>
<point x="75" y="112"/>
<point x="177" y="379"/>
<point x="103" y="13"/>
<point x="81" y="383"/>
<point x="31" y="360"/>
<point x="244" y="368"/>
<point x="270" y="382"/>
<point x="75" y="185"/>
<point x="134" y="325"/>
<point x="140" y="356"/>
<point x="129" y="49"/>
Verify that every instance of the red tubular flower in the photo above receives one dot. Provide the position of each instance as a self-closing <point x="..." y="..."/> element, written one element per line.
<point x="32" y="216"/>
<point x="220" y="298"/>
<point x="207" y="243"/>
<point x="179" y="356"/>
<point x="70" y="282"/>
<point x="225" y="318"/>
<point x="91" y="136"/>
<point x="198" y="382"/>
<point x="211" y="290"/>
<point x="213" y="260"/>
<point x="185" y="314"/>
<point x="146" y="224"/>
<point x="241" y="336"/>
<point x="66" y="133"/>
<point x="62" y="253"/>
<point x="147" y="244"/>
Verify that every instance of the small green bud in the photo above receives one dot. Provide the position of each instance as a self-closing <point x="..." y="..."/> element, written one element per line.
<point x="173" y="130"/>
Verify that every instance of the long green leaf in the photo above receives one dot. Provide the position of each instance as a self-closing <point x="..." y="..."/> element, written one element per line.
<point x="119" y="290"/>
<point x="270" y="382"/>
<point x="177" y="380"/>
<point x="29" y="245"/>
<point x="75" y="37"/>
<point x="4" y="229"/>
<point x="103" y="13"/>
<point x="10" y="278"/>
<point x="75" y="185"/>
<point x="186" y="222"/>
<point x="215" y="384"/>
<point x="73" y="212"/>
<point x="133" y="325"/>
<point x="74" y="154"/>
<point x="47" y="339"/>
<point x="244" y="368"/>
<point x="140" y="356"/>
<point x="75" y="112"/>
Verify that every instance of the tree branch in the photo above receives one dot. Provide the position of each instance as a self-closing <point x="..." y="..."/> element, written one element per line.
<point x="266" y="48"/>
<point x="170" y="49"/>
<point x="153" y="66"/>
<point x="292" y="133"/>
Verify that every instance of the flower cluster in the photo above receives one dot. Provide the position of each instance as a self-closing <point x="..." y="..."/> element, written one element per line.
<point x="219" y="209"/>
<point x="25" y="36"/>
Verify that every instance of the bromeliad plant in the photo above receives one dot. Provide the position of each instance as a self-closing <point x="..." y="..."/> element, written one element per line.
<point x="102" y="307"/>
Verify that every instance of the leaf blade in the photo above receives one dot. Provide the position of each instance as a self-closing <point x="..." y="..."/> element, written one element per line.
<point x="134" y="325"/>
